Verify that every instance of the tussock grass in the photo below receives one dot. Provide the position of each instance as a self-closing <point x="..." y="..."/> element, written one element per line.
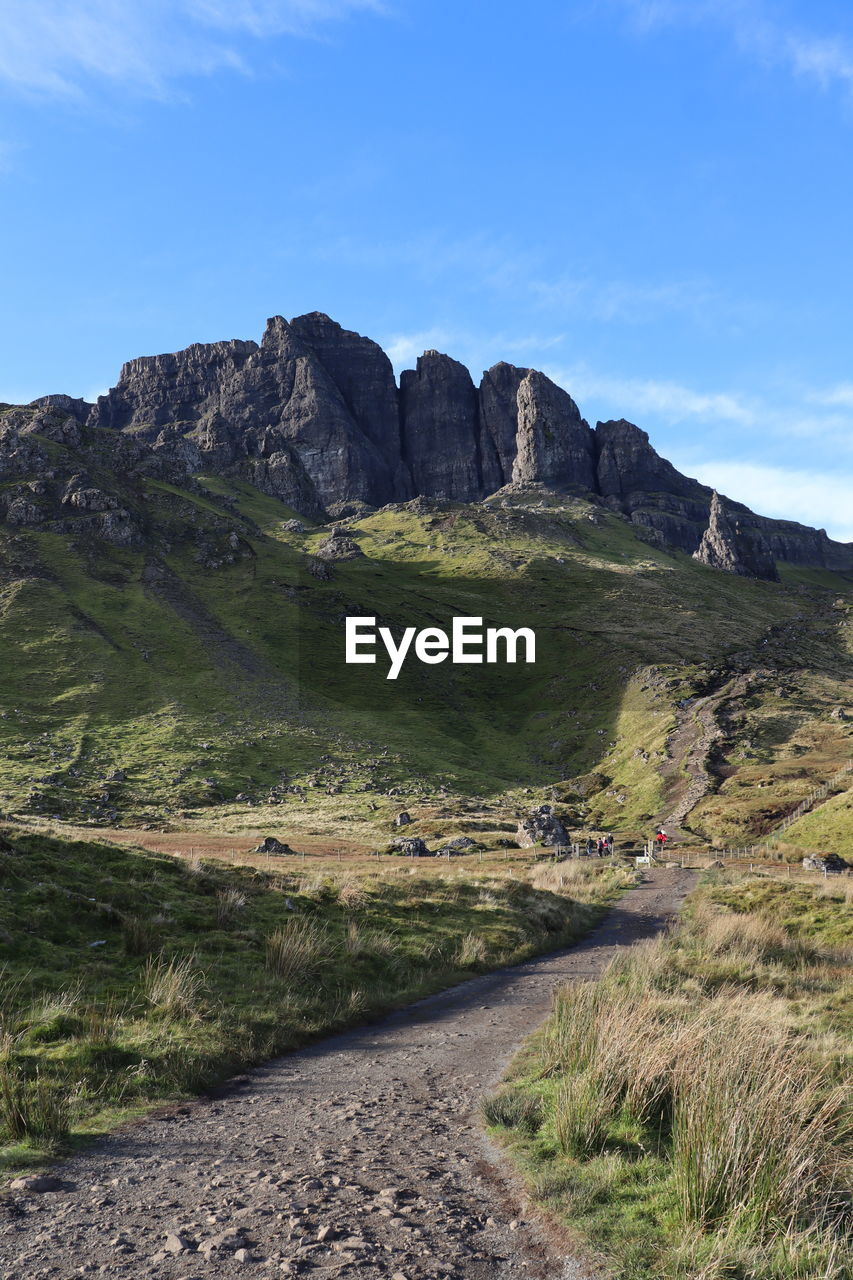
<point x="34" y="1109"/>
<point x="694" y="1103"/>
<point x="174" y="986"/>
<point x="473" y="951"/>
<point x="297" y="950"/>
<point x="229" y="903"/>
<point x="513" y="1111"/>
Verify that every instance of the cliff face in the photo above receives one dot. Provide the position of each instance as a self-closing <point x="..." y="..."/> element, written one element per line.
<point x="729" y="545"/>
<point x="554" y="445"/>
<point x="440" y="429"/>
<point x="313" y="416"/>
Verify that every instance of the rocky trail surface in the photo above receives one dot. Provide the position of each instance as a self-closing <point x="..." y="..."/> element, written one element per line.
<point x="361" y="1156"/>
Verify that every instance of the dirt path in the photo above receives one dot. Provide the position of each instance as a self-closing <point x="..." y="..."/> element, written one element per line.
<point x="362" y="1155"/>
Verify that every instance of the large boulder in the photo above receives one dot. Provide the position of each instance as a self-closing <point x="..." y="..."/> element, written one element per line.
<point x="831" y="862"/>
<point x="270" y="845"/>
<point x="541" y="827"/>
<point x="411" y="847"/>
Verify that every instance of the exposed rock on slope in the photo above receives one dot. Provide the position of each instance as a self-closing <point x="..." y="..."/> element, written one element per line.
<point x="313" y="416"/>
<point x="553" y="445"/>
<point x="541" y="826"/>
<point x="438" y="405"/>
<point x="726" y="545"/>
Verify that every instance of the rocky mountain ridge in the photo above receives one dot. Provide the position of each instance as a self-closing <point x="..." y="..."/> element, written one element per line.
<point x="314" y="416"/>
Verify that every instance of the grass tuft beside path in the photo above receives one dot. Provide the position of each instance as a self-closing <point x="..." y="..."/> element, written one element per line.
<point x="689" y="1114"/>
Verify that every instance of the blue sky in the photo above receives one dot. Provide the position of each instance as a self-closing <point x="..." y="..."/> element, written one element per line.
<point x="652" y="200"/>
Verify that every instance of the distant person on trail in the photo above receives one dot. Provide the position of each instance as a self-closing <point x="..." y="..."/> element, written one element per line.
<point x="608" y="840"/>
<point x="602" y="848"/>
<point x="590" y="846"/>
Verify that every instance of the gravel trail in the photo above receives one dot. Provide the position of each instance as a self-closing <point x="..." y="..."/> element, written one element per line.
<point x="360" y="1156"/>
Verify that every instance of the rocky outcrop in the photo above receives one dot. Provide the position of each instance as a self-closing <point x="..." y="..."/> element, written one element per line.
<point x="554" y="445"/>
<point x="365" y="378"/>
<point x="339" y="546"/>
<point x="727" y="545"/>
<point x="541" y="826"/>
<point x="312" y="416"/>
<point x="628" y="468"/>
<point x="441" y="429"/>
<point x="499" y="423"/>
<point x="273" y="413"/>
<point x="828" y="862"/>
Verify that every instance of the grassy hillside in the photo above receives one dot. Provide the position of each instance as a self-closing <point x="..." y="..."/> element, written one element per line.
<point x="128" y="977"/>
<point x="160" y="681"/>
<point x="689" y="1115"/>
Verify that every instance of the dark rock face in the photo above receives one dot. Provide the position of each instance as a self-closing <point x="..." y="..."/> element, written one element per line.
<point x="439" y="413"/>
<point x="499" y="423"/>
<point x="365" y="378"/>
<point x="273" y="413"/>
<point x="313" y="417"/>
<point x="628" y="466"/>
<point x="727" y="545"/>
<point x="554" y="444"/>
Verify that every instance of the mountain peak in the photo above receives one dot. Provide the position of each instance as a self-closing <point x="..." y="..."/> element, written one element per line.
<point x="314" y="417"/>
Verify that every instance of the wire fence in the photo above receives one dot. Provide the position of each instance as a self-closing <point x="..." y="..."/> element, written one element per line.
<point x="813" y="798"/>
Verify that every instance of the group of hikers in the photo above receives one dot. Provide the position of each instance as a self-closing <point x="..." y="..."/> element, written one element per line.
<point x="603" y="846"/>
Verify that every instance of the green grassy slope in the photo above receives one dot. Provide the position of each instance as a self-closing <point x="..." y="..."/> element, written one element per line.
<point x="128" y="977"/>
<point x="207" y="662"/>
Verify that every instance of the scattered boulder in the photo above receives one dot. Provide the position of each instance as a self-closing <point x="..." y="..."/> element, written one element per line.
<point x="402" y="819"/>
<point x="830" y="862"/>
<point x="339" y="546"/>
<point x="293" y="526"/>
<point x="319" y="569"/>
<point x="411" y="847"/>
<point x="37" y="1183"/>
<point x="225" y="1242"/>
<point x="458" y="845"/>
<point x="273" y="846"/>
<point x="838" y="713"/>
<point x="542" y="826"/>
<point x="177" y="1243"/>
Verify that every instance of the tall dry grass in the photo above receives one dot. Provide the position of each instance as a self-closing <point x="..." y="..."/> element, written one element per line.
<point x="297" y="950"/>
<point x="174" y="987"/>
<point x="758" y="1142"/>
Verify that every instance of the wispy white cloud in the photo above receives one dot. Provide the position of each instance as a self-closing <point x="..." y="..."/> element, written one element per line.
<point x="630" y="301"/>
<point x="840" y="396"/>
<point x="403" y="349"/>
<point x="476" y="351"/>
<point x="758" y="33"/>
<point x="658" y="398"/>
<point x="819" y="499"/>
<point x="60" y="47"/>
